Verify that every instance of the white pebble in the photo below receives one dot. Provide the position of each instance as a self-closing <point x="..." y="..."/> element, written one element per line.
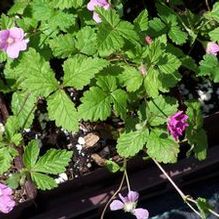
<point x="89" y="165"/>
<point x="63" y="176"/>
<point x="2" y="128"/>
<point x="79" y="147"/>
<point x="81" y="141"/>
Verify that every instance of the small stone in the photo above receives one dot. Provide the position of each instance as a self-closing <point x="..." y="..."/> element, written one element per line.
<point x="91" y="139"/>
<point x="89" y="165"/>
<point x="63" y="176"/>
<point x="79" y="147"/>
<point x="81" y="141"/>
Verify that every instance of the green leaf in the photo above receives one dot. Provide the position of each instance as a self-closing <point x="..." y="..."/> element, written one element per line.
<point x="141" y="22"/>
<point x="22" y="106"/>
<point x="195" y="134"/>
<point x="43" y="181"/>
<point x="38" y="78"/>
<point x="152" y="83"/>
<point x="41" y="10"/>
<point x="62" y="110"/>
<point x="203" y="207"/>
<point x="168" y="63"/>
<point x="96" y="105"/>
<point x="156" y="27"/>
<point x="5" y="160"/>
<point x="214" y="34"/>
<point x="209" y="66"/>
<point x="177" y="35"/>
<point x="14" y="180"/>
<point x="63" y="45"/>
<point x="215" y="12"/>
<point x="112" y="166"/>
<point x="108" y="38"/>
<point x="6" y="22"/>
<point x="126" y="30"/>
<point x="79" y="70"/>
<point x="65" y="4"/>
<point x="11" y="127"/>
<point x="120" y="98"/>
<point x="129" y="144"/>
<point x="159" y="109"/>
<point x="31" y="154"/>
<point x="86" y="41"/>
<point x="18" y="7"/>
<point x="53" y="161"/>
<point x="132" y="78"/>
<point x="162" y="147"/>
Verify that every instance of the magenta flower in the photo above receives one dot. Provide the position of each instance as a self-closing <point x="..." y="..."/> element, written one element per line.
<point x="128" y="204"/>
<point x="6" y="201"/>
<point x="97" y="3"/>
<point x="12" y="41"/>
<point x="148" y="40"/>
<point x="177" y="124"/>
<point x="212" y="48"/>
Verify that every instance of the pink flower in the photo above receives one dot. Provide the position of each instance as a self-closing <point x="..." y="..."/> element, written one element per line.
<point x="97" y="3"/>
<point x="177" y="124"/>
<point x="6" y="201"/>
<point x="128" y="204"/>
<point x="212" y="48"/>
<point x="12" y="41"/>
<point x="148" y="40"/>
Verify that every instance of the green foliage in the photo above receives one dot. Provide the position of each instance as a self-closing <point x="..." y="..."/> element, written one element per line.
<point x="62" y="110"/>
<point x="209" y="66"/>
<point x="141" y="22"/>
<point x="80" y="70"/>
<point x="162" y="147"/>
<point x="203" y="207"/>
<point x="112" y="166"/>
<point x="52" y="162"/>
<point x="96" y="103"/>
<point x="129" y="144"/>
<point x="5" y="159"/>
<point x="195" y="134"/>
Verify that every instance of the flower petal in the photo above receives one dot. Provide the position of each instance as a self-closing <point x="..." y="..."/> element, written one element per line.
<point x="4" y="34"/>
<point x="17" y="33"/>
<point x="13" y="51"/>
<point x="91" y="5"/>
<point x="133" y="196"/>
<point x="96" y="17"/>
<point x="141" y="213"/>
<point x="116" y="205"/>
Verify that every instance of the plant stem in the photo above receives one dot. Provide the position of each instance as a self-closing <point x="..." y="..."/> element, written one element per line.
<point x="183" y="196"/>
<point x="127" y="180"/>
<point x="207" y="5"/>
<point x="113" y="196"/>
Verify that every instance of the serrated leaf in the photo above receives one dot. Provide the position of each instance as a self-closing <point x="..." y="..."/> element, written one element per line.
<point x="162" y="147"/>
<point x="43" y="181"/>
<point x="141" y="22"/>
<point x="79" y="70"/>
<point x="112" y="166"/>
<point x="14" y="180"/>
<point x="215" y="12"/>
<point x="132" y="78"/>
<point x="209" y="66"/>
<point x="6" y="22"/>
<point x="63" y="45"/>
<point x="159" y="109"/>
<point x="168" y="63"/>
<point x="18" y="7"/>
<point x="129" y="144"/>
<point x="11" y="127"/>
<point x="62" y="110"/>
<point x="156" y="27"/>
<point x="120" y="98"/>
<point x="41" y="10"/>
<point x="31" y="154"/>
<point x="53" y="161"/>
<point x="38" y="77"/>
<point x="126" y="30"/>
<point x="214" y="34"/>
<point x="86" y="41"/>
<point x="22" y="106"/>
<point x="5" y="160"/>
<point x="65" y="4"/>
<point x="203" y="207"/>
<point x="152" y="83"/>
<point x="177" y="35"/>
<point x="96" y="105"/>
<point x="108" y="37"/>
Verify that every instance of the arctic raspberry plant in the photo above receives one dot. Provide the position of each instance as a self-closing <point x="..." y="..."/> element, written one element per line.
<point x="129" y="70"/>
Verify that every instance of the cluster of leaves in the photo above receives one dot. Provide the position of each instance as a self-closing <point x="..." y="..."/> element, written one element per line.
<point x="118" y="73"/>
